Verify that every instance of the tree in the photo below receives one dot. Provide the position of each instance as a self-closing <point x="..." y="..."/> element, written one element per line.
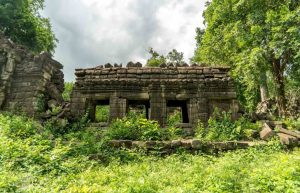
<point x="155" y="59"/>
<point x="175" y="57"/>
<point x="20" y="20"/>
<point x="253" y="37"/>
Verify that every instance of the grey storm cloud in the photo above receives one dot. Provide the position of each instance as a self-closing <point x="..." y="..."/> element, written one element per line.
<point x="94" y="32"/>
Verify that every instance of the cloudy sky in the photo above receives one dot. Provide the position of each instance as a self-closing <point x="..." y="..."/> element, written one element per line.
<point x="94" y="32"/>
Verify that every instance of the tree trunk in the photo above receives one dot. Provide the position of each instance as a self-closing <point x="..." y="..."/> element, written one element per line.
<point x="264" y="91"/>
<point x="278" y="70"/>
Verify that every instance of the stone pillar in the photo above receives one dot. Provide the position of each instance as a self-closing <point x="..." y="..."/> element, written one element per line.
<point x="78" y="104"/>
<point x="158" y="108"/>
<point x="234" y="107"/>
<point x="118" y="107"/>
<point x="92" y="110"/>
<point x="192" y="109"/>
<point x="202" y="110"/>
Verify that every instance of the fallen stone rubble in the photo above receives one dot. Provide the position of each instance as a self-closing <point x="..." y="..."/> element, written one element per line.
<point x="287" y="137"/>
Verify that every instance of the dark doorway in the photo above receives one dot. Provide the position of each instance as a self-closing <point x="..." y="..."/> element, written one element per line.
<point x="139" y="107"/>
<point x="180" y="105"/>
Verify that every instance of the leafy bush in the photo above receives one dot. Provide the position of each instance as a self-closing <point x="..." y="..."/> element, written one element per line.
<point x="200" y="130"/>
<point x="102" y="113"/>
<point x="172" y="133"/>
<point x="134" y="127"/>
<point x="174" y="118"/>
<point x="292" y="124"/>
<point x="18" y="126"/>
<point x="67" y="91"/>
<point x="40" y="105"/>
<point x="62" y="126"/>
<point x="222" y="128"/>
<point x="33" y="160"/>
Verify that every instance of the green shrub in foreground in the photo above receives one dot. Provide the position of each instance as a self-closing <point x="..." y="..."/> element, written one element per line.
<point x="221" y="127"/>
<point x="102" y="114"/>
<point x="134" y="127"/>
<point x="35" y="161"/>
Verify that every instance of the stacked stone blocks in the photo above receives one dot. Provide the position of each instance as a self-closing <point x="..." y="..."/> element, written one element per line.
<point x="27" y="79"/>
<point x="201" y="89"/>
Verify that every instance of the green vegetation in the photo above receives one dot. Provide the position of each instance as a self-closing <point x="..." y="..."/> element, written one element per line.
<point x="222" y="128"/>
<point x="137" y="127"/>
<point x="21" y="21"/>
<point x="134" y="127"/>
<point x="102" y="114"/>
<point x="67" y="91"/>
<point x="37" y="159"/>
<point x="260" y="40"/>
<point x="174" y="118"/>
<point x="156" y="59"/>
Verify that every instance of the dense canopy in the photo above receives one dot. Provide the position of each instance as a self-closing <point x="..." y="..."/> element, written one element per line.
<point x="21" y="21"/>
<point x="260" y="39"/>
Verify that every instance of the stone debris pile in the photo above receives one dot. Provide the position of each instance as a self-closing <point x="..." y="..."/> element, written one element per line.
<point x="287" y="137"/>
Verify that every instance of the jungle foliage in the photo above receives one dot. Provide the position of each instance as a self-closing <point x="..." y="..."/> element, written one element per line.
<point x="38" y="159"/>
<point x="259" y="39"/>
<point x="21" y="21"/>
<point x="156" y="59"/>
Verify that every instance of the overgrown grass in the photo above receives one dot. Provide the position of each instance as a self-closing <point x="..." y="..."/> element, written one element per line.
<point x="34" y="158"/>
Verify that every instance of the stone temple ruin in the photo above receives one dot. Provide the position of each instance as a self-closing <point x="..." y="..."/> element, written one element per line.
<point x="28" y="82"/>
<point x="195" y="90"/>
<point x="33" y="83"/>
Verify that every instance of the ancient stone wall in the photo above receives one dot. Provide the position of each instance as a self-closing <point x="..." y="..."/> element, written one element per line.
<point x="27" y="81"/>
<point x="196" y="90"/>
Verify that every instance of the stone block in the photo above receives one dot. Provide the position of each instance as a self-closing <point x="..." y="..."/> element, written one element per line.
<point x="276" y="124"/>
<point x="187" y="144"/>
<point x="288" y="139"/>
<point x="121" y="143"/>
<point x="175" y="143"/>
<point x="289" y="132"/>
<point x="138" y="144"/>
<point x="197" y="144"/>
<point x="150" y="145"/>
<point x="266" y="132"/>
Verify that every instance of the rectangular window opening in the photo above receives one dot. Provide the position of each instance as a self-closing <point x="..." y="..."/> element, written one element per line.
<point x="139" y="108"/>
<point x="102" y="111"/>
<point x="177" y="112"/>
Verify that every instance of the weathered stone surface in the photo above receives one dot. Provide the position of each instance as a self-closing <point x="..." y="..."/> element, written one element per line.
<point x="276" y="124"/>
<point x="196" y="90"/>
<point x="289" y="132"/>
<point x="175" y="143"/>
<point x="28" y="81"/>
<point x="197" y="144"/>
<point x="187" y="144"/>
<point x="288" y="139"/>
<point x="121" y="143"/>
<point x="267" y="132"/>
<point x="138" y="145"/>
